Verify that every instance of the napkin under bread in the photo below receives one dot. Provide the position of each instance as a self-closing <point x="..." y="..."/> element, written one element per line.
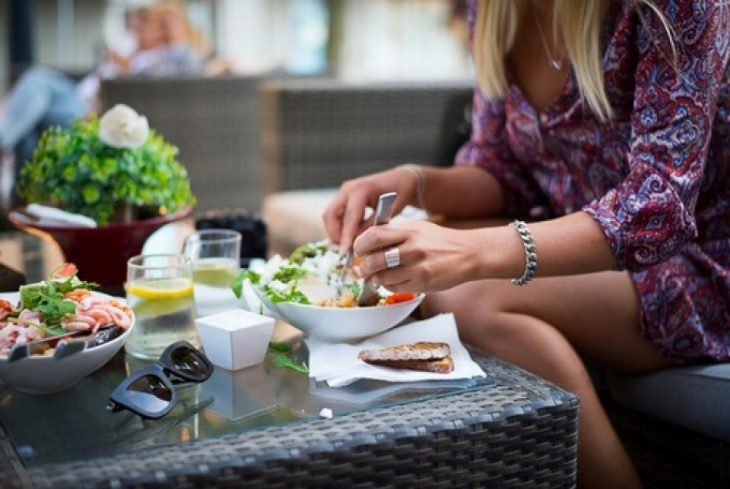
<point x="338" y="364"/>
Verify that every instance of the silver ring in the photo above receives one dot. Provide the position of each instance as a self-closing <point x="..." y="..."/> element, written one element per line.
<point x="392" y="257"/>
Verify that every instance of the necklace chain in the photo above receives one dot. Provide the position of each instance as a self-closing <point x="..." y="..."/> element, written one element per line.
<point x="556" y="63"/>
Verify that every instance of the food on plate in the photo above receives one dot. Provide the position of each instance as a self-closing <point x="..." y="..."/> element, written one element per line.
<point x="423" y="355"/>
<point x="60" y="305"/>
<point x="315" y="274"/>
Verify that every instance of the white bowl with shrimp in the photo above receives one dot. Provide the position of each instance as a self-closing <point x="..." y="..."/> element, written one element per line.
<point x="39" y="374"/>
<point x="341" y="324"/>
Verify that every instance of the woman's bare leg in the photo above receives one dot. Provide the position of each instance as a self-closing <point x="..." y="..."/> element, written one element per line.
<point x="540" y="326"/>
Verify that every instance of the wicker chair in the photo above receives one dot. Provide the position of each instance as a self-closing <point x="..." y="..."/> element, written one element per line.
<point x="675" y="423"/>
<point x="216" y="124"/>
<point x="319" y="133"/>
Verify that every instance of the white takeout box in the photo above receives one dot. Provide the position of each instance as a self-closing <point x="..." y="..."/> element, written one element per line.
<point x="235" y="339"/>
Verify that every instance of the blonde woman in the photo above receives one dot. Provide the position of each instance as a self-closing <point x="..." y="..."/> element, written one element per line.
<point x="605" y="125"/>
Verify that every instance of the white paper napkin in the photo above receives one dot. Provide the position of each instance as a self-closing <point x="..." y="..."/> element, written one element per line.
<point x="59" y="217"/>
<point x="338" y="365"/>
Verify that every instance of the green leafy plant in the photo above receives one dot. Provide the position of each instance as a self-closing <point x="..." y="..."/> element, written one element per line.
<point x="75" y="170"/>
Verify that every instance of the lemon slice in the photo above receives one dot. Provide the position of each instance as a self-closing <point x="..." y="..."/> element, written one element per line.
<point x="168" y="288"/>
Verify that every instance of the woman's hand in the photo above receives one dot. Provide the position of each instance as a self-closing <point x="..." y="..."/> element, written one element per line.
<point x="343" y="218"/>
<point x="432" y="257"/>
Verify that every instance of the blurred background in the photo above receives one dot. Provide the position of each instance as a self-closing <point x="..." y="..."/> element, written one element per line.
<point x="366" y="39"/>
<point x="271" y="103"/>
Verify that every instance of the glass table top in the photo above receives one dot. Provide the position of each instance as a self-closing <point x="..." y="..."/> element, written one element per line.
<point x="75" y="424"/>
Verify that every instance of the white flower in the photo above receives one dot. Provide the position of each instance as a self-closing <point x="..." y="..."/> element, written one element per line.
<point x="122" y="127"/>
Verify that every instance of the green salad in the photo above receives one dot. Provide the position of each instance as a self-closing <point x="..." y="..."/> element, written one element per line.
<point x="311" y="274"/>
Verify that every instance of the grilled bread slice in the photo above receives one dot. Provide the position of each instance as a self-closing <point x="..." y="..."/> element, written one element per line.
<point x="439" y="366"/>
<point x="423" y="350"/>
<point x="425" y="356"/>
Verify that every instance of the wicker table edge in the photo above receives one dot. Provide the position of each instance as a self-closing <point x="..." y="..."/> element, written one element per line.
<point x="522" y="398"/>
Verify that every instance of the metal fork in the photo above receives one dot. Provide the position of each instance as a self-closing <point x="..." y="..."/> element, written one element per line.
<point x="383" y="212"/>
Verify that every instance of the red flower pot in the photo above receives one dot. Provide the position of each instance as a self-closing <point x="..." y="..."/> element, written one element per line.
<point x="101" y="253"/>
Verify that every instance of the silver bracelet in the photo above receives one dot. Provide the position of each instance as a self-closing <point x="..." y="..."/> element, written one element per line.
<point x="528" y="245"/>
<point x="420" y="183"/>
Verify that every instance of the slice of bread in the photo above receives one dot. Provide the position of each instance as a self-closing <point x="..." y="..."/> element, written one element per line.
<point x="440" y="366"/>
<point x="426" y="356"/>
<point x="423" y="350"/>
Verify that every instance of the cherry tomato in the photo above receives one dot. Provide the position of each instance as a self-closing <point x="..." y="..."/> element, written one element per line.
<point x="397" y="297"/>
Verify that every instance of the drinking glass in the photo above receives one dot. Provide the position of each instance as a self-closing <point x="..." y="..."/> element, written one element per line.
<point x="215" y="256"/>
<point x="160" y="290"/>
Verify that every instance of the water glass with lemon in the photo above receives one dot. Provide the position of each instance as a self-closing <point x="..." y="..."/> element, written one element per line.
<point x="215" y="256"/>
<point x="160" y="290"/>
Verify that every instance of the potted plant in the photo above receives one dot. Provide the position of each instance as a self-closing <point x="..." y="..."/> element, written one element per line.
<point x="114" y="170"/>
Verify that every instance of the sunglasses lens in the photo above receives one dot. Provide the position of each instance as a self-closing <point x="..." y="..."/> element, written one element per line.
<point x="149" y="393"/>
<point x="190" y="363"/>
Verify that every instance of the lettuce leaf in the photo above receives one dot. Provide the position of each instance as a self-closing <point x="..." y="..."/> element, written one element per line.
<point x="47" y="298"/>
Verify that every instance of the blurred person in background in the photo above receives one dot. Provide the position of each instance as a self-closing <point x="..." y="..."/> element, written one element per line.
<point x="44" y="97"/>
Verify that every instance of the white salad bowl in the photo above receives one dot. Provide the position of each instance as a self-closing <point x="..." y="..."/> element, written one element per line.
<point x="38" y="374"/>
<point x="341" y="323"/>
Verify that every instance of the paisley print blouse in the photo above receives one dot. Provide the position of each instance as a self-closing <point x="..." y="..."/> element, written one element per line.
<point x="656" y="178"/>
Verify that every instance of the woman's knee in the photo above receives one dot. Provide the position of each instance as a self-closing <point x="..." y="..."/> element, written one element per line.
<point x="476" y="307"/>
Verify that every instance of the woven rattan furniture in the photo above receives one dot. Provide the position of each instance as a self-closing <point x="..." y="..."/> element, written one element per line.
<point x="318" y="133"/>
<point x="216" y="123"/>
<point x="511" y="429"/>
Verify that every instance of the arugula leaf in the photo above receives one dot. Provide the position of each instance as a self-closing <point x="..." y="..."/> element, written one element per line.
<point x="237" y="283"/>
<point x="49" y="330"/>
<point x="280" y="352"/>
<point x="73" y="283"/>
<point x="287" y="274"/>
<point x="355" y="288"/>
<point x="309" y="250"/>
<point x="48" y="299"/>
<point x="289" y="295"/>
<point x="283" y="361"/>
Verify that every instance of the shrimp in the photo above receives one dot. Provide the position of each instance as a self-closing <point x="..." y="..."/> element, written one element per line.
<point x="122" y="317"/>
<point x="5" y="309"/>
<point x="64" y="271"/>
<point x="93" y="312"/>
<point x="27" y="315"/>
<point x="8" y="336"/>
<point x="77" y="295"/>
<point x="99" y="314"/>
<point x="75" y="325"/>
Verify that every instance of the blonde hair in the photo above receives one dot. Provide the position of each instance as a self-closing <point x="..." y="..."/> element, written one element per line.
<point x="578" y="22"/>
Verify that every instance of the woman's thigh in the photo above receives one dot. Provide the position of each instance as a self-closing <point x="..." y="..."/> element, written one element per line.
<point x="598" y="314"/>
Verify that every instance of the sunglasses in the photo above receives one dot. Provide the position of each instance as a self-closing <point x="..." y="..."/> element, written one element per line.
<point x="150" y="392"/>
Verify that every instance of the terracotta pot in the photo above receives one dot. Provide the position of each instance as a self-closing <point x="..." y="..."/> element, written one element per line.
<point x="101" y="253"/>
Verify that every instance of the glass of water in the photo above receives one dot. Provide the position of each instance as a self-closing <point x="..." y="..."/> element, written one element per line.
<point x="215" y="256"/>
<point x="160" y="291"/>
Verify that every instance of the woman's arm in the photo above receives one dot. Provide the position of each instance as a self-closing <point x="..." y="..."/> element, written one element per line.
<point x="650" y="215"/>
<point x="508" y="188"/>
<point x="437" y="258"/>
<point x="461" y="192"/>
<point x="569" y="245"/>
